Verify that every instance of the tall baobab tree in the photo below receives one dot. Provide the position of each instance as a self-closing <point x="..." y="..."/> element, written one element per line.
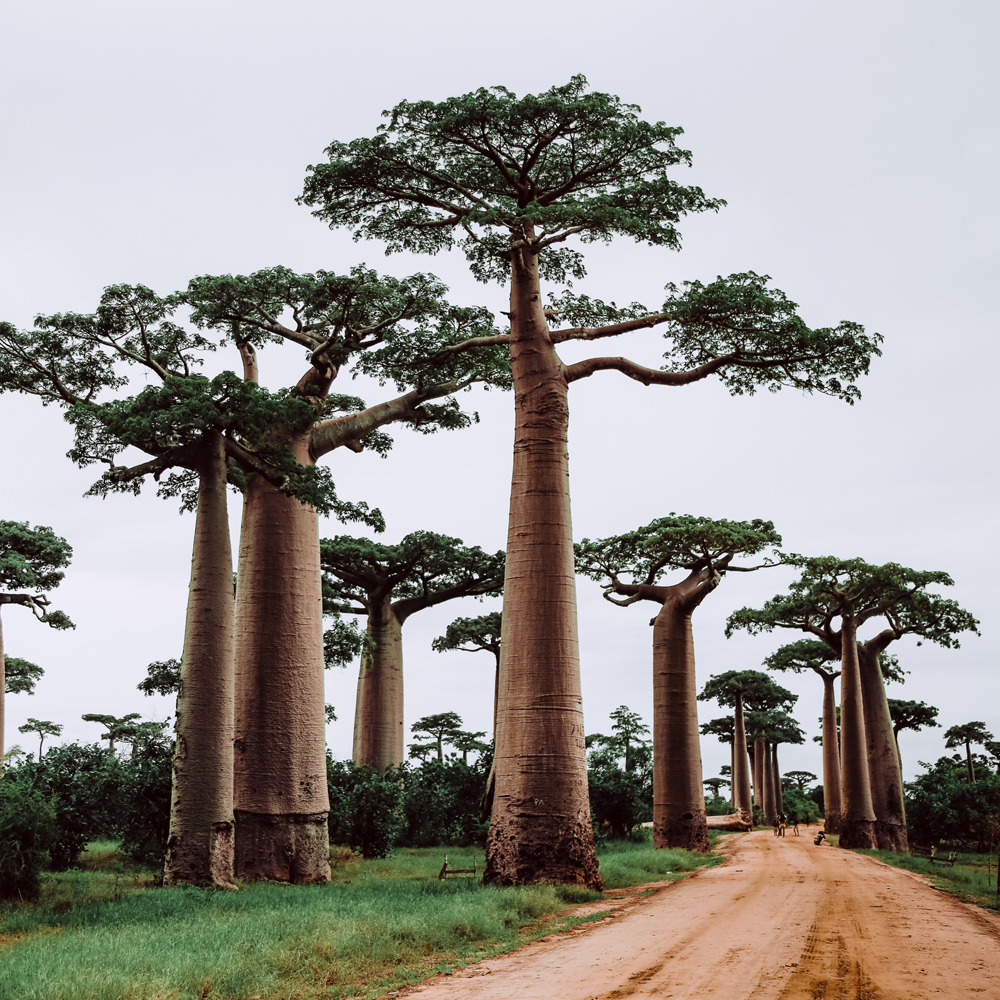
<point x="965" y="735"/>
<point x="205" y="434"/>
<point x="473" y="635"/>
<point x="915" y="715"/>
<point x="856" y="592"/>
<point x="811" y="654"/>
<point x="628" y="567"/>
<point x="389" y="328"/>
<point x="31" y="559"/>
<point x="388" y="584"/>
<point x="509" y="181"/>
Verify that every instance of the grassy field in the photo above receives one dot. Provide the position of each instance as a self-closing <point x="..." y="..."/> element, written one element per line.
<point x="107" y="933"/>
<point x="973" y="877"/>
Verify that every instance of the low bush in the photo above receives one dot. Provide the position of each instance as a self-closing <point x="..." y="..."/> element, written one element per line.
<point x="28" y="831"/>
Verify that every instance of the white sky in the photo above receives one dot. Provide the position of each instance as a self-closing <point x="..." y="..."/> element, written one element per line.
<point x="856" y="143"/>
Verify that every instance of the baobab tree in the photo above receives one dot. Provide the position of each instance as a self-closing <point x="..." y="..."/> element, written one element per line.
<point x="21" y="676"/>
<point x="473" y="635"/>
<point x="965" y="735"/>
<point x="731" y="690"/>
<point x="628" y="567"/>
<point x="798" y="779"/>
<point x="509" y="181"/>
<point x="915" y="715"/>
<point x="162" y="677"/>
<point x="388" y="584"/>
<point x="204" y="434"/>
<point x="280" y="767"/>
<point x="43" y="728"/>
<point x="811" y="654"/>
<point x="855" y="592"/>
<point x="116" y="726"/>
<point x="32" y="559"/>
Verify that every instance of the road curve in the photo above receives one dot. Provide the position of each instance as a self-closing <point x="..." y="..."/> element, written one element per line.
<point x="781" y="919"/>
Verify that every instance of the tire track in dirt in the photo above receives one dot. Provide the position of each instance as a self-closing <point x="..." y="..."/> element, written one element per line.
<point x="781" y="919"/>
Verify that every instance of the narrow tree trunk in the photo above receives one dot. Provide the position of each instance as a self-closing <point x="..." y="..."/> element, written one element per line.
<point x="767" y="784"/>
<point x="741" y="763"/>
<point x="359" y="696"/>
<point x="968" y="761"/>
<point x="678" y="796"/>
<point x="884" y="771"/>
<point x="758" y="775"/>
<point x="200" y="847"/>
<point x="779" y="805"/>
<point x="540" y="829"/>
<point x="280" y="786"/>
<point x="496" y="697"/>
<point x="380" y="733"/>
<point x="831" y="757"/>
<point x="857" y="823"/>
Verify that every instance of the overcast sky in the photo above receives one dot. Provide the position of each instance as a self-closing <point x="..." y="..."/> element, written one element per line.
<point x="857" y="145"/>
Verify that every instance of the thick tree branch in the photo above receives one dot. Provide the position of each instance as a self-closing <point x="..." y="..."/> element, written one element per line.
<point x="647" y="376"/>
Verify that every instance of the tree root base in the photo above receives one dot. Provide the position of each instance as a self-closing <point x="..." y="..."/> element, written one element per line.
<point x="891" y="837"/>
<point x="288" y="847"/>
<point x="688" y="832"/>
<point x="205" y="860"/>
<point x="857" y="833"/>
<point x="541" y="851"/>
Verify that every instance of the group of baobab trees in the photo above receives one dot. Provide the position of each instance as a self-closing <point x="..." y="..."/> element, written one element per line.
<point x="509" y="181"/>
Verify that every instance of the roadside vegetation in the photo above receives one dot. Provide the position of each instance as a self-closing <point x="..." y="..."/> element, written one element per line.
<point x="106" y="931"/>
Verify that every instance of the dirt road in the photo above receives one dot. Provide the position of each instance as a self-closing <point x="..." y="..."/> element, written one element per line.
<point x="781" y="919"/>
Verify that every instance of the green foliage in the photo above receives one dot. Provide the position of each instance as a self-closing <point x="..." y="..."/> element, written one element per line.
<point x="798" y="779"/>
<point x="805" y="654"/>
<point x="27" y="831"/>
<point x="81" y="783"/>
<point x="966" y="734"/>
<point x="441" y="727"/>
<point x="913" y="715"/>
<point x="942" y="806"/>
<point x="142" y="822"/>
<point x="678" y="541"/>
<point x="423" y="569"/>
<point x="763" y="340"/>
<point x="620" y="773"/>
<point x="20" y="675"/>
<point x="799" y="807"/>
<point x="488" y="168"/>
<point x="162" y="677"/>
<point x="31" y="558"/>
<point x="827" y="586"/>
<point x="442" y="801"/>
<point x="43" y="728"/>
<point x="472" y="635"/>
<point x="760" y="693"/>
<point x="364" y="807"/>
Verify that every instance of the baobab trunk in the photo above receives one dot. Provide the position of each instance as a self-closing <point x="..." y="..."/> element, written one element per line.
<point x="779" y="806"/>
<point x="281" y="800"/>
<point x="359" y="696"/>
<point x="678" y="800"/>
<point x="884" y="772"/>
<point x="767" y="784"/>
<point x="200" y="846"/>
<point x="379" y="726"/>
<point x="540" y="829"/>
<point x="857" y="821"/>
<point x="831" y="758"/>
<point x="758" y="775"/>
<point x="741" y="764"/>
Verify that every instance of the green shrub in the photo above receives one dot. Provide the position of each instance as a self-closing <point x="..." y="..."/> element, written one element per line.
<point x="365" y="807"/>
<point x="27" y="831"/>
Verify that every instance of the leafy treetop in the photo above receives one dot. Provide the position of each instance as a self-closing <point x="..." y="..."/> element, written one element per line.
<point x="967" y="734"/>
<point x="913" y="715"/>
<point x="830" y="588"/>
<point x="502" y="176"/>
<point x="21" y="676"/>
<point x="421" y="570"/>
<point x="798" y="778"/>
<point x="677" y="541"/>
<point x="759" y="691"/>
<point x="628" y="740"/>
<point x="162" y="677"/>
<point x="33" y="559"/>
<point x="472" y="635"/>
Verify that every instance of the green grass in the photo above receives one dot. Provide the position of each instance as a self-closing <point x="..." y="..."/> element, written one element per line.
<point x="968" y="879"/>
<point x="106" y="933"/>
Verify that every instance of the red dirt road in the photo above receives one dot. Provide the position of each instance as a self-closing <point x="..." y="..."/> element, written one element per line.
<point x="781" y="919"/>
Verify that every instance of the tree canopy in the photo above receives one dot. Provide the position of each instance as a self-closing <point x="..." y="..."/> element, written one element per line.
<point x="913" y="715"/>
<point x="421" y="570"/>
<point x="890" y="591"/>
<point x="472" y="635"/>
<point x="33" y="559"/>
<point x="21" y="676"/>
<point x="673" y="542"/>
<point x="760" y="693"/>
